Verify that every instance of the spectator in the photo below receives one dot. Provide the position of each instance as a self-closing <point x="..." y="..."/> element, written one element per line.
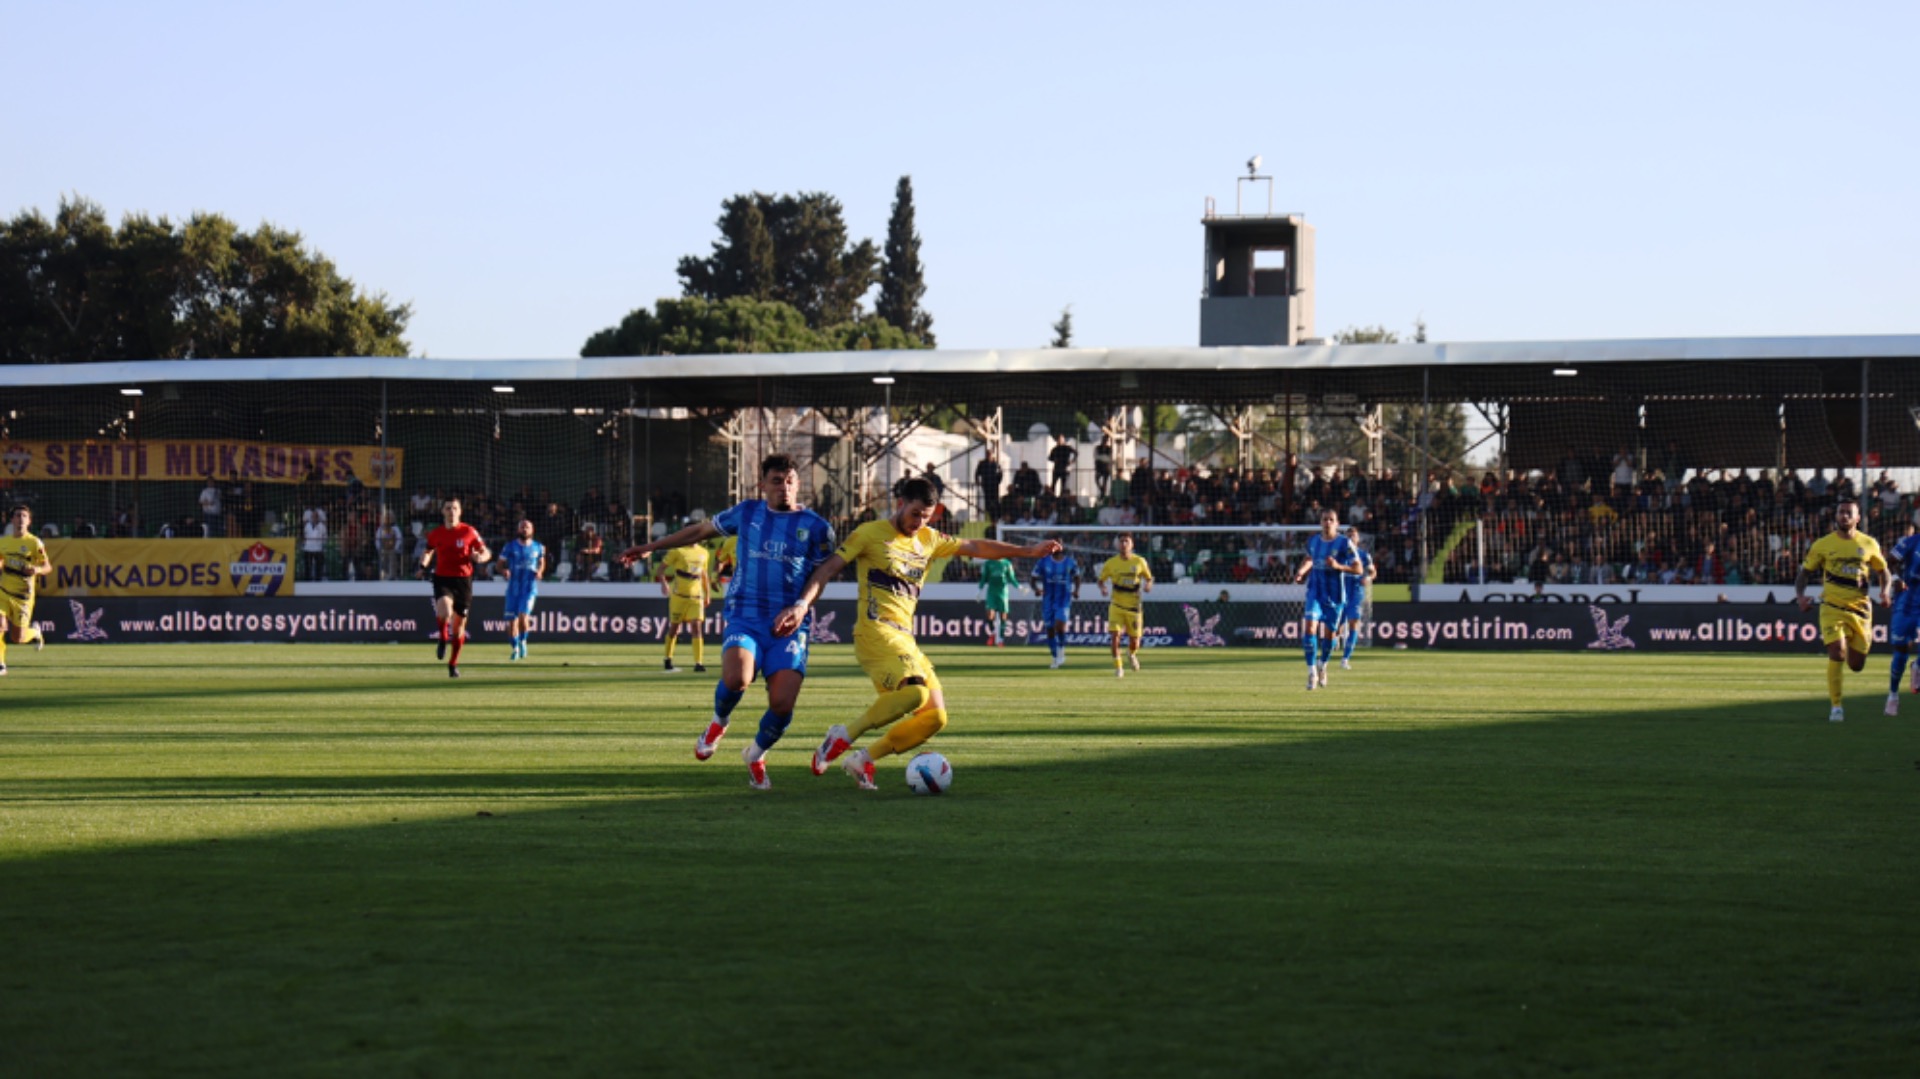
<point x="986" y="481"/>
<point x="313" y="544"/>
<point x="211" y="514"/>
<point x="587" y="551"/>
<point x="388" y="545"/>
<point x="1062" y="457"/>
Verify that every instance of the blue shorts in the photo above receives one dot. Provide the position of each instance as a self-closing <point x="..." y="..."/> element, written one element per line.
<point x="1324" y="611"/>
<point x="1901" y="627"/>
<point x="1056" y="610"/>
<point x="520" y="600"/>
<point x="1353" y="613"/>
<point x="771" y="654"/>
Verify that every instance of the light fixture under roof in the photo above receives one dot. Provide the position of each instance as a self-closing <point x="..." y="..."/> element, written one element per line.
<point x="132" y="391"/>
<point x="1564" y="372"/>
<point x="503" y="389"/>
<point x="883" y="380"/>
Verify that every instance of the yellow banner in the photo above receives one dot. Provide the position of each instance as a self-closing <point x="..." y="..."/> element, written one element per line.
<point x="169" y="567"/>
<point x="262" y="462"/>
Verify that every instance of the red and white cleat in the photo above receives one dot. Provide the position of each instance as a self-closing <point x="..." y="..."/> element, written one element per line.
<point x="704" y="747"/>
<point x="835" y="743"/>
<point x="860" y="767"/>
<point x="757" y="776"/>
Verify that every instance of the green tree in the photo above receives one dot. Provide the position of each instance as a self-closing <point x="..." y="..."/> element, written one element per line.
<point x="902" y="279"/>
<point x="1063" y="329"/>
<point x="692" y="325"/>
<point x="75" y="289"/>
<point x="812" y="266"/>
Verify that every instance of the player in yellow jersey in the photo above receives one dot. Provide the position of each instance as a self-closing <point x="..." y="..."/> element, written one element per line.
<point x="1129" y="576"/>
<point x="686" y="584"/>
<point x="23" y="561"/>
<point x="1849" y="562"/>
<point x="890" y="558"/>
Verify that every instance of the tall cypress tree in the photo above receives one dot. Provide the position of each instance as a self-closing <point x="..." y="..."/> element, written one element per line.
<point x="902" y="280"/>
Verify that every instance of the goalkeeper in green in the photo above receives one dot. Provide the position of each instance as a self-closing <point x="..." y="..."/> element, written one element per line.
<point x="996" y="580"/>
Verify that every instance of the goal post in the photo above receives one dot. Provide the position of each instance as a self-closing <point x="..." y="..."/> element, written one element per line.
<point x="1213" y="585"/>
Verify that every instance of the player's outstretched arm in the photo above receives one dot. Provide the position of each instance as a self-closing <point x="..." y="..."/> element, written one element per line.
<point x="693" y="533"/>
<point x="982" y="547"/>
<point x="789" y="619"/>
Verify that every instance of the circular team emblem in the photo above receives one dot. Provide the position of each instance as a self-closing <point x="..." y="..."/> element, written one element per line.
<point x="17" y="458"/>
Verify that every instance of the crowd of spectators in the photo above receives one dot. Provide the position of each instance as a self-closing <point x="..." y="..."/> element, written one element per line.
<point x="1593" y="519"/>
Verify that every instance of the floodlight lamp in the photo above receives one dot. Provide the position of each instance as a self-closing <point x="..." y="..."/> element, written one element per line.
<point x="503" y="389"/>
<point x="132" y="391"/>
<point x="1564" y="372"/>
<point x="883" y="380"/>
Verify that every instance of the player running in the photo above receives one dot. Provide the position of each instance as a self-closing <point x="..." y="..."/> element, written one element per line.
<point x="997" y="579"/>
<point x="1849" y="563"/>
<point x="1129" y="576"/>
<point x="783" y="543"/>
<point x="686" y="582"/>
<point x="452" y="550"/>
<point x="1356" y="609"/>
<point x="1056" y="580"/>
<point x="524" y="560"/>
<point x="890" y="558"/>
<point x="1904" y="623"/>
<point x="1330" y="560"/>
<point x="23" y="561"/>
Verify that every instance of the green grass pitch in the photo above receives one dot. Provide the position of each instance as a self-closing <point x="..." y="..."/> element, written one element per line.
<point x="312" y="860"/>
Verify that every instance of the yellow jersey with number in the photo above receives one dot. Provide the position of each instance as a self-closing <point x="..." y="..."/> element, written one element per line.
<point x="1128" y="576"/>
<point x="1845" y="566"/>
<point x="685" y="570"/>
<point x="891" y="567"/>
<point x="19" y="557"/>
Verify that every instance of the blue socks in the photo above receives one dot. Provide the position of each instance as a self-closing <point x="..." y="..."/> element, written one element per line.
<point x="1326" y="650"/>
<point x="1899" y="668"/>
<point x="724" y="700"/>
<point x="772" y="726"/>
<point x="1353" y="637"/>
<point x="1313" y="650"/>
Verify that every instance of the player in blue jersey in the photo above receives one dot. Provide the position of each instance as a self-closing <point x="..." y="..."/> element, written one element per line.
<point x="1331" y="561"/>
<point x="779" y="544"/>
<point x="524" y="560"/>
<point x="1904" y="624"/>
<point x="1056" y="580"/>
<point x="1356" y="609"/>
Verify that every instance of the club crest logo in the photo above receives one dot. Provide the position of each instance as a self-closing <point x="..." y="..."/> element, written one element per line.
<point x="823" y="628"/>
<point x="384" y="464"/>
<point x="1200" y="634"/>
<point x="17" y="458"/>
<point x="86" y="627"/>
<point x="1611" y="637"/>
<point x="262" y="570"/>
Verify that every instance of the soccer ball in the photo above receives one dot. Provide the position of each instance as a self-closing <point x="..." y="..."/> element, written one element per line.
<point x="929" y="773"/>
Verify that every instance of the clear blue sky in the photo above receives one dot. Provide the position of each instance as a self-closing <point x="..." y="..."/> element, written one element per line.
<point x="525" y="175"/>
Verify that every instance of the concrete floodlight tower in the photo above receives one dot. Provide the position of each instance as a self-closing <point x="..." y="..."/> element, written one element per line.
<point x="1258" y="288"/>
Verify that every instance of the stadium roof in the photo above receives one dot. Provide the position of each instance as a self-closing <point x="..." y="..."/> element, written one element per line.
<point x="1725" y="396"/>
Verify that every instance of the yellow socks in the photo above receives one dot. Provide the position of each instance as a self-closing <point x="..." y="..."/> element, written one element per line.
<point x="672" y="639"/>
<point x="888" y="707"/>
<point x="909" y="733"/>
<point x="699" y="650"/>
<point x="1835" y="669"/>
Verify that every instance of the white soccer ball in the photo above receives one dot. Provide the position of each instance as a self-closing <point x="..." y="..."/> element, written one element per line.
<point x="929" y="773"/>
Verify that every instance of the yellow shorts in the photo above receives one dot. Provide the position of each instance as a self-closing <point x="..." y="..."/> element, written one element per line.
<point x="1124" y="621"/>
<point x="17" y="611"/>
<point x="890" y="658"/>
<point x="1838" y="625"/>
<point x="681" y="611"/>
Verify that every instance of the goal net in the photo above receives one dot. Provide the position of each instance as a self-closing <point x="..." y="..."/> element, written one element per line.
<point x="1213" y="585"/>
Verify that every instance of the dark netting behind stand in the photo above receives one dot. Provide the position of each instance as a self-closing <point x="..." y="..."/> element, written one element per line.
<point x="640" y="454"/>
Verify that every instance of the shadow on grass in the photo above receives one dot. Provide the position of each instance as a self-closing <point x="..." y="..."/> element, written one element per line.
<point x="1631" y="893"/>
